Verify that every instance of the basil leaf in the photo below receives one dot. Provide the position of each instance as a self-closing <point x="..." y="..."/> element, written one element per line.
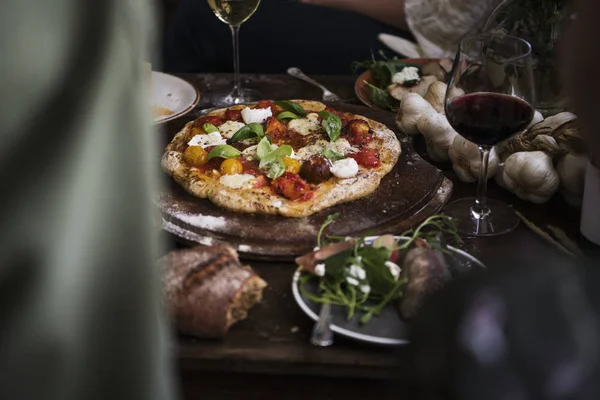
<point x="291" y="106"/>
<point x="224" y="151"/>
<point x="379" y="276"/>
<point x="264" y="147"/>
<point x="333" y="155"/>
<point x="286" y="114"/>
<point x="248" y="131"/>
<point x="333" y="125"/>
<point x="381" y="98"/>
<point x="210" y="128"/>
<point x="275" y="155"/>
<point x="277" y="169"/>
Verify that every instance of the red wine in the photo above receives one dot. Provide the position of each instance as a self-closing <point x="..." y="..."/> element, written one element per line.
<point x="488" y="118"/>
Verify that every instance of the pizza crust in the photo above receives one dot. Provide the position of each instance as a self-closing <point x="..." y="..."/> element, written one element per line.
<point x="263" y="200"/>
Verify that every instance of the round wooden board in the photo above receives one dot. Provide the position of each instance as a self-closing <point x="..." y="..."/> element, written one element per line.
<point x="411" y="192"/>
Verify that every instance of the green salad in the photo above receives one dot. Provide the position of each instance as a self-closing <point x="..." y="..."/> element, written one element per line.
<point x="383" y="71"/>
<point x="365" y="275"/>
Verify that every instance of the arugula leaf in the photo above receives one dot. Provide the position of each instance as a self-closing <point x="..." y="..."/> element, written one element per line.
<point x="379" y="276"/>
<point x="335" y="266"/>
<point x="333" y="155"/>
<point x="381" y="98"/>
<point x="333" y="124"/>
<point x="264" y="147"/>
<point x="248" y="131"/>
<point x="287" y="115"/>
<point x="277" y="169"/>
<point x="210" y="128"/>
<point x="224" y="151"/>
<point x="275" y="155"/>
<point x="292" y="107"/>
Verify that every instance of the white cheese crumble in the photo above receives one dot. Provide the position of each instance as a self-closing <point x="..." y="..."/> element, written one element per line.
<point x="277" y="204"/>
<point x="229" y="128"/>
<point x="341" y="146"/>
<point x="357" y="271"/>
<point x="317" y="248"/>
<point x="210" y="139"/>
<point x="250" y="152"/>
<point x="307" y="125"/>
<point x="366" y="289"/>
<point x="320" y="269"/>
<point x="345" y="168"/>
<point x="352" y="281"/>
<point x="407" y="74"/>
<point x="394" y="269"/>
<point x="238" y="181"/>
<point x="258" y="115"/>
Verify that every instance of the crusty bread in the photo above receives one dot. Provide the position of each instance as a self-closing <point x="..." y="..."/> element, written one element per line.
<point x="207" y="290"/>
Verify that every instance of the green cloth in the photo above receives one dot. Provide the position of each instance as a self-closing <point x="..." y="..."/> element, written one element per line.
<point x="80" y="309"/>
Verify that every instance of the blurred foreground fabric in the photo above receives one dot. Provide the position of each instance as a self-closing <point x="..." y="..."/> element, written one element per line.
<point x="80" y="311"/>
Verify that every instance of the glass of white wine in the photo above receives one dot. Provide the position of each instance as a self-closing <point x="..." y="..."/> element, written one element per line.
<point x="234" y="13"/>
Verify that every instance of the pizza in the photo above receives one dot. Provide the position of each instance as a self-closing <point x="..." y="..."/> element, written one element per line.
<point x="290" y="158"/>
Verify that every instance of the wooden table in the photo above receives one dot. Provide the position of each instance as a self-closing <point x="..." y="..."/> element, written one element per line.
<point x="268" y="354"/>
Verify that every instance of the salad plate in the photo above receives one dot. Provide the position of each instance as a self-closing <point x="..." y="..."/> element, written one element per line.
<point x="388" y="328"/>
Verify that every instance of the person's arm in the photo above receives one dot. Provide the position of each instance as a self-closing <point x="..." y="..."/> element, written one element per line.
<point x="390" y="12"/>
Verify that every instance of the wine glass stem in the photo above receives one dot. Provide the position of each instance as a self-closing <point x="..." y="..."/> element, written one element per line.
<point x="481" y="210"/>
<point x="235" y="35"/>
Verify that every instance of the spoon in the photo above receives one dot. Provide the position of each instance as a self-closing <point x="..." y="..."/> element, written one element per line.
<point x="322" y="335"/>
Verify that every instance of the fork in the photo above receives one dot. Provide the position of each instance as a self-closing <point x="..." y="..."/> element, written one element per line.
<point x="327" y="94"/>
<point x="322" y="334"/>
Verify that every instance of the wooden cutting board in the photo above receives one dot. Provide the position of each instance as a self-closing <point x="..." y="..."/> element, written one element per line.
<point x="411" y="192"/>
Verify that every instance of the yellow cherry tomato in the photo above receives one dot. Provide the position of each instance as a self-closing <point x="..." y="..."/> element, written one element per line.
<point x="231" y="166"/>
<point x="291" y="165"/>
<point x="195" y="156"/>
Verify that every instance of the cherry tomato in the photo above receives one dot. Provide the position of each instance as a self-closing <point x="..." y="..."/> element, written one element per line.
<point x="195" y="156"/>
<point x="291" y="165"/>
<point x="231" y="166"/>
<point x="368" y="158"/>
<point x="233" y="115"/>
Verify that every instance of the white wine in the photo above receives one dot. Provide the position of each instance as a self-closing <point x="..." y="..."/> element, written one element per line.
<point x="233" y="12"/>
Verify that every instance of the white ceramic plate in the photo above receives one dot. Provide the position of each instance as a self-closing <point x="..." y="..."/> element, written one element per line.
<point x="171" y="97"/>
<point x="387" y="328"/>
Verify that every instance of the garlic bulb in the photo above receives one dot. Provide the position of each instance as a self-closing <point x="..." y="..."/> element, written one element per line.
<point x="438" y="134"/>
<point x="412" y="108"/>
<point x="466" y="160"/>
<point x="530" y="175"/>
<point x="571" y="171"/>
<point x="436" y="95"/>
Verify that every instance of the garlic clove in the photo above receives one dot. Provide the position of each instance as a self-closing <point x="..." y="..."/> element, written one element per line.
<point x="435" y="95"/>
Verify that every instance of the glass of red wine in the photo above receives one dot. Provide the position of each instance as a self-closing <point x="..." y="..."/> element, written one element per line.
<point x="489" y="99"/>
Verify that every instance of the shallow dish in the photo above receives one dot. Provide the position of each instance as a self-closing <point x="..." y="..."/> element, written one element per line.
<point x="387" y="328"/>
<point x="171" y="97"/>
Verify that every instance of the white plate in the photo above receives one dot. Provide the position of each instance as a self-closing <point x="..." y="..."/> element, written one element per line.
<point x="385" y="329"/>
<point x="173" y="95"/>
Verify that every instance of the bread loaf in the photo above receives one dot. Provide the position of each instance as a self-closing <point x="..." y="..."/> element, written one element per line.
<point x="207" y="290"/>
